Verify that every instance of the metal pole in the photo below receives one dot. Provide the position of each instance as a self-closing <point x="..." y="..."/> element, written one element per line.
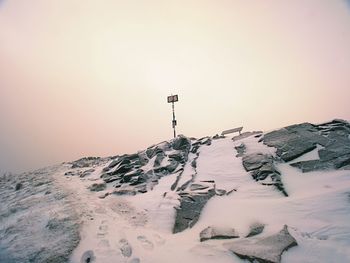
<point x="174" y="121"/>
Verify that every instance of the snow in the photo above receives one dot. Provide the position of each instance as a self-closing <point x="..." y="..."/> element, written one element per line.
<point x="317" y="211"/>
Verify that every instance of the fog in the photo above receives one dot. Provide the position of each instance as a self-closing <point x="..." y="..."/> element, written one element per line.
<point x="90" y="78"/>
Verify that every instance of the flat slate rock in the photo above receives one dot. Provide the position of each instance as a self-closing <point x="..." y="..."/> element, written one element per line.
<point x="263" y="250"/>
<point x="191" y="205"/>
<point x="214" y="232"/>
<point x="295" y="140"/>
<point x="261" y="167"/>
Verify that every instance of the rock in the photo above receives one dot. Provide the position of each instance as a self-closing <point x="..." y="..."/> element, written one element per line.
<point x="240" y="150"/>
<point x="86" y="162"/>
<point x="160" y="157"/>
<point x="268" y="249"/>
<point x="96" y="187"/>
<point x="104" y="195"/>
<point x="220" y="192"/>
<point x="88" y="257"/>
<point x="194" y="163"/>
<point x="69" y="173"/>
<point x="18" y="186"/>
<point x="262" y="168"/>
<point x="191" y="205"/>
<point x="212" y="232"/>
<point x="87" y="172"/>
<point x="181" y="143"/>
<point x="295" y="140"/>
<point x="255" y="229"/>
<point x="255" y="161"/>
<point x="198" y="187"/>
<point x="124" y="192"/>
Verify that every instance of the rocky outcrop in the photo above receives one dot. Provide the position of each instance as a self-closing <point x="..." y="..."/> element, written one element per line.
<point x="264" y="250"/>
<point x="86" y="162"/>
<point x="130" y="174"/>
<point x="214" y="232"/>
<point x="191" y="205"/>
<point x="262" y="168"/>
<point x="296" y="140"/>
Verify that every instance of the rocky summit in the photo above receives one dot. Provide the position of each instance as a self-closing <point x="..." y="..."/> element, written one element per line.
<point x="278" y="196"/>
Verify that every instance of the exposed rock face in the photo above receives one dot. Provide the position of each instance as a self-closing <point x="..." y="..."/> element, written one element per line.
<point x="264" y="250"/>
<point x="261" y="167"/>
<point x="86" y="162"/>
<point x="191" y="205"/>
<point x="212" y="232"/>
<point x="293" y="141"/>
<point x="240" y="150"/>
<point x="131" y="178"/>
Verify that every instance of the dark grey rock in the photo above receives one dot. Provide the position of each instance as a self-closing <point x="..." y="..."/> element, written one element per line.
<point x="87" y="172"/>
<point x="18" y="186"/>
<point x="198" y="187"/>
<point x="191" y="205"/>
<point x="295" y="140"/>
<point x="240" y="150"/>
<point x="181" y="143"/>
<point x="255" y="161"/>
<point x="86" y="162"/>
<point x="220" y="192"/>
<point x="96" y="187"/>
<point x="124" y="192"/>
<point x="214" y="232"/>
<point x="255" y="229"/>
<point x="261" y="166"/>
<point x="265" y="250"/>
<point x="160" y="157"/>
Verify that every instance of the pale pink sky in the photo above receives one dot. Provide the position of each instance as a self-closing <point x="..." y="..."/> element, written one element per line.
<point x="80" y="78"/>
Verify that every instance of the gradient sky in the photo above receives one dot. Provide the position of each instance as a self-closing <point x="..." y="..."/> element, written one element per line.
<point x="81" y="78"/>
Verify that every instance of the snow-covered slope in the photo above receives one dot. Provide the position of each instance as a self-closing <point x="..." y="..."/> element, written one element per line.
<point x="282" y="196"/>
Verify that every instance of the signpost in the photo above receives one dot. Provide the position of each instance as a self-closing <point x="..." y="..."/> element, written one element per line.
<point x="172" y="99"/>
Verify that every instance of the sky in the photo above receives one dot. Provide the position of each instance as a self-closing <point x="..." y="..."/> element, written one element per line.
<point x="90" y="78"/>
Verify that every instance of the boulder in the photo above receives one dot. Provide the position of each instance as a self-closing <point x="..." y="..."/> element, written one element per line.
<point x="267" y="250"/>
<point x="213" y="232"/>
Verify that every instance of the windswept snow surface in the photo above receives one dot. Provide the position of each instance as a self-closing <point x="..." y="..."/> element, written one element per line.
<point x="139" y="228"/>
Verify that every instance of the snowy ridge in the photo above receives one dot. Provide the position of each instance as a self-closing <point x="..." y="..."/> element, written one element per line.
<point x="282" y="196"/>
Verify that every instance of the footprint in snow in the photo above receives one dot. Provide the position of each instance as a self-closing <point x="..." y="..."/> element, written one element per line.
<point x="159" y="240"/>
<point x="134" y="260"/>
<point x="88" y="257"/>
<point x="102" y="231"/>
<point x="125" y="248"/>
<point x="146" y="244"/>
